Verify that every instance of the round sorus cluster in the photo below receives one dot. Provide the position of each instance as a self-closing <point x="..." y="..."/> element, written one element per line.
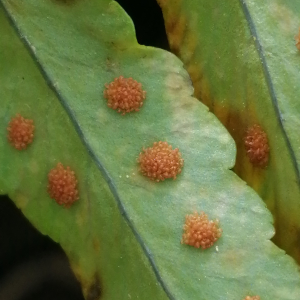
<point x="124" y="95"/>
<point x="20" y="132"/>
<point x="62" y="185"/>
<point x="160" y="161"/>
<point x="252" y="298"/>
<point x="199" y="231"/>
<point x="297" y="38"/>
<point x="257" y="146"/>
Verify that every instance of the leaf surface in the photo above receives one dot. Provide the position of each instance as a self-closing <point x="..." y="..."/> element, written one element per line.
<point x="245" y="67"/>
<point x="123" y="236"/>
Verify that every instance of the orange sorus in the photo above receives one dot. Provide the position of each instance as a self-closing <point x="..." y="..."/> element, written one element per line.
<point x="257" y="146"/>
<point x="124" y="95"/>
<point x="62" y="185"/>
<point x="160" y="161"/>
<point x="20" y="132"/>
<point x="199" y="231"/>
<point x="252" y="298"/>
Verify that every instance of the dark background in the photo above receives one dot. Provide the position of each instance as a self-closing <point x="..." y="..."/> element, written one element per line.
<point x="32" y="266"/>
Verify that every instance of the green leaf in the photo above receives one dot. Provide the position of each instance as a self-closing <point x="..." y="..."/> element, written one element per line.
<point x="123" y="235"/>
<point x="245" y="67"/>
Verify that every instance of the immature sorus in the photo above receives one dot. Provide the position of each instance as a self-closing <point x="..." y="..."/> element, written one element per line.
<point x="62" y="185"/>
<point x="20" y="132"/>
<point x="199" y="231"/>
<point x="257" y="146"/>
<point x="160" y="161"/>
<point x="124" y="95"/>
<point x="252" y="298"/>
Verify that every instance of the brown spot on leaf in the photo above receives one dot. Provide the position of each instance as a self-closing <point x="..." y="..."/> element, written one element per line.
<point x="176" y="28"/>
<point x="282" y="234"/>
<point x="96" y="245"/>
<point x="297" y="38"/>
<point x="252" y="298"/>
<point x="95" y="290"/>
<point x="232" y="260"/>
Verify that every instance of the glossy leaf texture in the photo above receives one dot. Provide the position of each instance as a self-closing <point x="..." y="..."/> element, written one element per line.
<point x="123" y="235"/>
<point x="244" y="64"/>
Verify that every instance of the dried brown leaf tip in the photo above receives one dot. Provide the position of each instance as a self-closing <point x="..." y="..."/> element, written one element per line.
<point x="257" y="146"/>
<point x="199" y="231"/>
<point x="62" y="185"/>
<point x="160" y="161"/>
<point x="297" y="38"/>
<point x="124" y="95"/>
<point x="252" y="298"/>
<point x="20" y="132"/>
